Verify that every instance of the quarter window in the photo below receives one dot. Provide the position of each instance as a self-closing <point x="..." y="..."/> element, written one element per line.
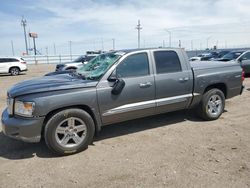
<point x="167" y="62"/>
<point x="133" y="65"/>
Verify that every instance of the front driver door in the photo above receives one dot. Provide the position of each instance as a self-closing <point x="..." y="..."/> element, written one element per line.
<point x="137" y="97"/>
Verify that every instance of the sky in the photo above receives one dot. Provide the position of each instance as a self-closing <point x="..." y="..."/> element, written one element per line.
<point x="94" y="24"/>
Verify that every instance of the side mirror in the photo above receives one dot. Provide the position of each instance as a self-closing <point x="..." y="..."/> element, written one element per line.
<point x="118" y="86"/>
<point x="118" y="83"/>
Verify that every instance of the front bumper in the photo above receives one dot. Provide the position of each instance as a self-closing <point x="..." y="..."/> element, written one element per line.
<point x="25" y="129"/>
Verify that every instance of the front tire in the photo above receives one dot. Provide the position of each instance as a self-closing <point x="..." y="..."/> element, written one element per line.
<point x="212" y="105"/>
<point x="14" y="71"/>
<point x="69" y="131"/>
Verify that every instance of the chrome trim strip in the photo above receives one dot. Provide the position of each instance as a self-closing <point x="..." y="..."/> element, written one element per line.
<point x="130" y="107"/>
<point x="171" y="100"/>
<point x="148" y="104"/>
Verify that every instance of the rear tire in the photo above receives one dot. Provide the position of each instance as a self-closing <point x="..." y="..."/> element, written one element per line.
<point x="69" y="131"/>
<point x="212" y="105"/>
<point x="14" y="71"/>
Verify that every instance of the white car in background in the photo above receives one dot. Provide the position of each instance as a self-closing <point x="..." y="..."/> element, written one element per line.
<point x="12" y="65"/>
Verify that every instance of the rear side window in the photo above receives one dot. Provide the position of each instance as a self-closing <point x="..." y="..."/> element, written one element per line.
<point x="12" y="60"/>
<point x="134" y="65"/>
<point x="2" y="60"/>
<point x="167" y="62"/>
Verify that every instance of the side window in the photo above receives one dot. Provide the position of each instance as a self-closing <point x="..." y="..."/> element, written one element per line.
<point x="167" y="62"/>
<point x="246" y="56"/>
<point x="12" y="60"/>
<point x="4" y="60"/>
<point x="133" y="65"/>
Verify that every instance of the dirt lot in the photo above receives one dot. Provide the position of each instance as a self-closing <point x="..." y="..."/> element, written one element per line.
<point x="168" y="150"/>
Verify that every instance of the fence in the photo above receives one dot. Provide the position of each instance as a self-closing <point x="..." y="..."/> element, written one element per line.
<point x="49" y="59"/>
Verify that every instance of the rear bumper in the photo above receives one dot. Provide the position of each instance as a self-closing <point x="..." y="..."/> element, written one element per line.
<point x="25" y="129"/>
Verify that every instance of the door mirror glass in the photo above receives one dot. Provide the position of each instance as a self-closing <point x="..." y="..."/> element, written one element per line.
<point x="118" y="86"/>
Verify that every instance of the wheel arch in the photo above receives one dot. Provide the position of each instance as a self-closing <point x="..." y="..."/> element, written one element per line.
<point x="220" y="86"/>
<point x="82" y="107"/>
<point x="14" y="67"/>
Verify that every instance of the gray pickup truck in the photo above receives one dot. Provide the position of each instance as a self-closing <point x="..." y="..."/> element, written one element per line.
<point x="68" y="109"/>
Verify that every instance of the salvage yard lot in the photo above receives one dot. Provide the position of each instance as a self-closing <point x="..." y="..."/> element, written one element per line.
<point x="169" y="150"/>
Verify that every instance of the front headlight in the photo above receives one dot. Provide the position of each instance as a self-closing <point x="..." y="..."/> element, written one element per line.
<point x="24" y="108"/>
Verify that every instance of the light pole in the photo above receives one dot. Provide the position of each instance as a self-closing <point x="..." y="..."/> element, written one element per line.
<point x="23" y="24"/>
<point x="12" y="47"/>
<point x="139" y="28"/>
<point x="208" y="40"/>
<point x="170" y="36"/>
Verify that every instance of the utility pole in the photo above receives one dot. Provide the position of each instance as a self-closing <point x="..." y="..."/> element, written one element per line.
<point x="12" y="47"/>
<point x="34" y="41"/>
<point x="70" y="49"/>
<point x="54" y="49"/>
<point x="113" y="40"/>
<point x="139" y="28"/>
<point x="47" y="50"/>
<point x="24" y="24"/>
<point x="179" y="43"/>
<point x="29" y="47"/>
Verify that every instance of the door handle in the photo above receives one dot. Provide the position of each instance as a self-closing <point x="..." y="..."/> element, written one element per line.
<point x="144" y="85"/>
<point x="183" y="79"/>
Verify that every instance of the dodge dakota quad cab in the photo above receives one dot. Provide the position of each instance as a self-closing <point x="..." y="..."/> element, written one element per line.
<point x="68" y="109"/>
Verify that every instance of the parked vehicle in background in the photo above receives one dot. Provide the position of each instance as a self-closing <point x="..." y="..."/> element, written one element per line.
<point x="230" y="56"/>
<point x="204" y="56"/>
<point x="78" y="62"/>
<point x="68" y="109"/>
<point x="12" y="65"/>
<point x="222" y="53"/>
<point x="199" y="57"/>
<point x="244" y="60"/>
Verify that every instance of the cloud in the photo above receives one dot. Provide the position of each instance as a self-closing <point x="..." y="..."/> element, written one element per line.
<point x="88" y="23"/>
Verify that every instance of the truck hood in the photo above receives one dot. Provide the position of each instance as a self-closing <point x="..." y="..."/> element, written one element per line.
<point x="50" y="83"/>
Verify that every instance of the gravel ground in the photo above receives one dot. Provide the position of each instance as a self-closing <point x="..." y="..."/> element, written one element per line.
<point x="168" y="150"/>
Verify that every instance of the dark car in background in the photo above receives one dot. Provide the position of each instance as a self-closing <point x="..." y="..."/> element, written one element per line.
<point x="230" y="56"/>
<point x="244" y="61"/>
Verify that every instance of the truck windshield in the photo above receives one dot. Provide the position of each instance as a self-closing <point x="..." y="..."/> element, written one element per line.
<point x="97" y="67"/>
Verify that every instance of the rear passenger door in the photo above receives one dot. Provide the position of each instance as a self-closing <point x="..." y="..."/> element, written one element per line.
<point x="173" y="79"/>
